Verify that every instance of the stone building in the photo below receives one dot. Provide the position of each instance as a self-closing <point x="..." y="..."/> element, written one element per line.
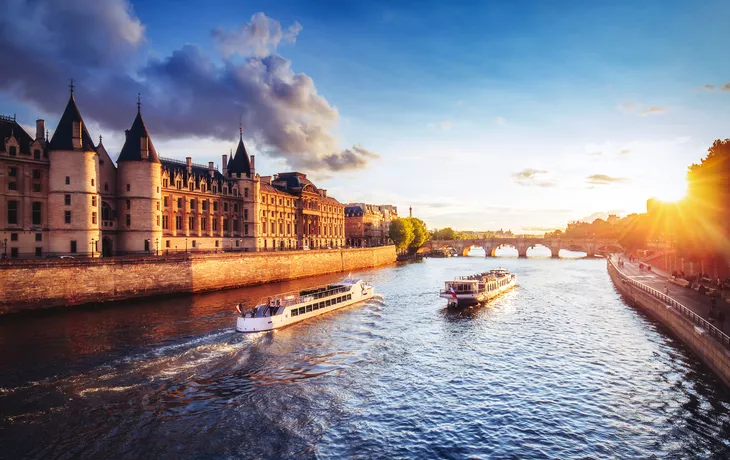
<point x="67" y="197"/>
<point x="368" y="224"/>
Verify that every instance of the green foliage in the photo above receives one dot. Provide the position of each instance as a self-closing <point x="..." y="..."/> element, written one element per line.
<point x="401" y="233"/>
<point x="420" y="234"/>
<point x="447" y="233"/>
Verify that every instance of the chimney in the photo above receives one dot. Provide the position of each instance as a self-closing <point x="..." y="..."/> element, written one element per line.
<point x="324" y="192"/>
<point x="126" y="133"/>
<point x="144" y="149"/>
<point x="189" y="164"/>
<point x="211" y="168"/>
<point x="76" y="135"/>
<point x="253" y="165"/>
<point x="40" y="129"/>
<point x="225" y="164"/>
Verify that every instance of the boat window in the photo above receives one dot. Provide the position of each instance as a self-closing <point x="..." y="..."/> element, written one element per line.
<point x="328" y="302"/>
<point x="294" y="312"/>
<point x="321" y="305"/>
<point x="309" y="308"/>
<point x="349" y="296"/>
<point x="301" y="310"/>
<point x="315" y="306"/>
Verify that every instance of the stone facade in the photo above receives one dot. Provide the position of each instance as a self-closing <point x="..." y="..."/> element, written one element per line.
<point x="33" y="284"/>
<point x="368" y="224"/>
<point x="65" y="196"/>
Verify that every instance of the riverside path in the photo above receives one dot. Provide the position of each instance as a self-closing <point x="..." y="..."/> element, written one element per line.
<point x="698" y="303"/>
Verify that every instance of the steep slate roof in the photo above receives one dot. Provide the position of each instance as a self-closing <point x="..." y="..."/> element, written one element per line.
<point x="240" y="163"/>
<point x="353" y="211"/>
<point x="63" y="136"/>
<point x="132" y="151"/>
<point x="9" y="127"/>
<point x="199" y="174"/>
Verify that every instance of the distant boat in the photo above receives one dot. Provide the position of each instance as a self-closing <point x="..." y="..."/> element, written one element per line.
<point x="292" y="307"/>
<point x="479" y="288"/>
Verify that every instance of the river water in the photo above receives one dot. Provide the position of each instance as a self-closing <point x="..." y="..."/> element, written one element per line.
<point x="560" y="367"/>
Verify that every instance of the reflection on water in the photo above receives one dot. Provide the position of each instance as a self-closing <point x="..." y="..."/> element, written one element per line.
<point x="558" y="367"/>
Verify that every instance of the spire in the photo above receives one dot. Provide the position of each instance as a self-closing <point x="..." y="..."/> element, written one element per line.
<point x="139" y="102"/>
<point x="99" y="139"/>
<point x="71" y="87"/>
<point x="240" y="163"/>
<point x="133" y="149"/>
<point x="63" y="136"/>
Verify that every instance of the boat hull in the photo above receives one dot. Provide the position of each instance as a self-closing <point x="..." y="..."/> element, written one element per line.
<point x="268" y="323"/>
<point x="466" y="300"/>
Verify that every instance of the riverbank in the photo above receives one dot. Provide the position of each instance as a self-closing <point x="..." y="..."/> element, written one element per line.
<point x="709" y="343"/>
<point x="29" y="285"/>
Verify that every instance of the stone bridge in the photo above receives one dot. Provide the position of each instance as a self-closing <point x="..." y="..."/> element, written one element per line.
<point x="588" y="245"/>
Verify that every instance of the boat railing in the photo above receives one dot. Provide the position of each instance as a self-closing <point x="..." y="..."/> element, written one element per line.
<point x="294" y="297"/>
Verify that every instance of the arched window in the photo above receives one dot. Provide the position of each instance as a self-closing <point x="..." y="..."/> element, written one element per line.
<point x="106" y="211"/>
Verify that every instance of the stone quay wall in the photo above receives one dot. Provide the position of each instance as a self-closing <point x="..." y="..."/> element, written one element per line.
<point x="29" y="285"/>
<point x="711" y="350"/>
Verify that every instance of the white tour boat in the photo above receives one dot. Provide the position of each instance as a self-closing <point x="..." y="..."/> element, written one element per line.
<point x="292" y="307"/>
<point x="479" y="288"/>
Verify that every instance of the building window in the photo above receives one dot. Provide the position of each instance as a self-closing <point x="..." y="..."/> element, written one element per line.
<point x="128" y="189"/>
<point x="192" y="205"/>
<point x="273" y="228"/>
<point x="36" y="174"/>
<point x="235" y="207"/>
<point x="93" y="200"/>
<point x="37" y="188"/>
<point x="204" y="224"/>
<point x="14" y="251"/>
<point x="127" y="205"/>
<point x="225" y="225"/>
<point x="166" y="201"/>
<point x="92" y="182"/>
<point x="178" y="222"/>
<point x="165" y="222"/>
<point x="245" y="192"/>
<point x="12" y="186"/>
<point x="225" y="207"/>
<point x="36" y="213"/>
<point x="67" y="200"/>
<point x="12" y="151"/>
<point x="215" y="206"/>
<point x="235" y="225"/>
<point x="245" y="229"/>
<point x="146" y="245"/>
<point x="216" y="243"/>
<point x="193" y="243"/>
<point x="179" y="203"/>
<point x="67" y="216"/>
<point x="68" y="180"/>
<point x="106" y="186"/>
<point x="13" y="237"/>
<point x="190" y="222"/>
<point x="73" y="246"/>
<point x="158" y="205"/>
<point x="38" y="251"/>
<point x="129" y="220"/>
<point x="158" y="221"/>
<point x="37" y="154"/>
<point x="39" y="236"/>
<point x="202" y="188"/>
<point x="167" y="243"/>
<point x="215" y="225"/>
<point x="205" y="205"/>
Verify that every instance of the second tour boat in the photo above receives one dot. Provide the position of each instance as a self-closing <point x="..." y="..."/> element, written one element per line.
<point x="481" y="287"/>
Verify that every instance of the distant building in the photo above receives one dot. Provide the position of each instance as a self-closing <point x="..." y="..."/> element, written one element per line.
<point x="66" y="196"/>
<point x="368" y="224"/>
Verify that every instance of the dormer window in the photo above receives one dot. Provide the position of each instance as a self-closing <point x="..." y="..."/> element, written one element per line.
<point x="202" y="188"/>
<point x="13" y="151"/>
<point x="36" y="154"/>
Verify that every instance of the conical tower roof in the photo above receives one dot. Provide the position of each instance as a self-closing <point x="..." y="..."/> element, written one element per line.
<point x="132" y="150"/>
<point x="63" y="136"/>
<point x="240" y="163"/>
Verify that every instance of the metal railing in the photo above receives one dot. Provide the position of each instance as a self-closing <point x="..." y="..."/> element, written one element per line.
<point x="295" y="297"/>
<point x="696" y="319"/>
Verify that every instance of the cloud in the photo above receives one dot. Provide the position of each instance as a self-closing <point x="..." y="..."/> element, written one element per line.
<point x="711" y="87"/>
<point x="629" y="107"/>
<point x="185" y="94"/>
<point x="601" y="215"/>
<point x="258" y="38"/>
<point x="500" y="120"/>
<point x="442" y="126"/>
<point x="533" y="177"/>
<point x="603" y="179"/>
<point x="538" y="228"/>
<point x="653" y="110"/>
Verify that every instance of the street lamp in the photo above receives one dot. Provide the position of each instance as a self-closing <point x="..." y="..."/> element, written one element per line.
<point x="186" y="245"/>
<point x="157" y="246"/>
<point x="92" y="248"/>
<point x="5" y="246"/>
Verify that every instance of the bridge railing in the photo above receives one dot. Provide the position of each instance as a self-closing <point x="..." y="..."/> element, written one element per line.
<point x="696" y="319"/>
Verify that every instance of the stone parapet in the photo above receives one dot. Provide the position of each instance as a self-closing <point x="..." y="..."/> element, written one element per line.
<point x="37" y="284"/>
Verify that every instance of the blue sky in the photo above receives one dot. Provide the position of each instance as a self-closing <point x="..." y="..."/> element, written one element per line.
<point x="492" y="114"/>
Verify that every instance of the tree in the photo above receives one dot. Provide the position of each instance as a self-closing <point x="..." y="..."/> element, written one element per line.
<point x="447" y="233"/>
<point x="401" y="233"/>
<point x="420" y="234"/>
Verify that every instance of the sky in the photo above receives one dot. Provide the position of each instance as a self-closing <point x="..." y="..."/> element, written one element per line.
<point x="519" y="115"/>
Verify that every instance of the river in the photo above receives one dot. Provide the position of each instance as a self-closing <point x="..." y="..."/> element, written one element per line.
<point x="560" y="367"/>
